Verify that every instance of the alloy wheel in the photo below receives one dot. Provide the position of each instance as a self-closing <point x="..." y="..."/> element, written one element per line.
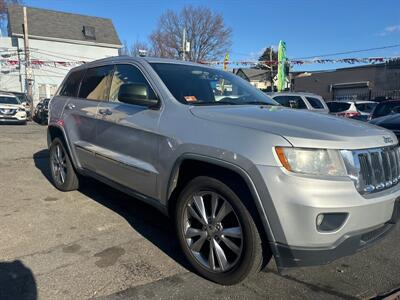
<point x="213" y="231"/>
<point x="59" y="164"/>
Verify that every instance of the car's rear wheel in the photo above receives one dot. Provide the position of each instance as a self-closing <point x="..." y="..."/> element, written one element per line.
<point x="216" y="232"/>
<point x="62" y="171"/>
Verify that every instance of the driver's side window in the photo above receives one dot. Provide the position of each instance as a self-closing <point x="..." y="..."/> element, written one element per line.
<point x="128" y="74"/>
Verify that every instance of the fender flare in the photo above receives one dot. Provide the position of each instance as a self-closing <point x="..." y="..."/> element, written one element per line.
<point x="232" y="167"/>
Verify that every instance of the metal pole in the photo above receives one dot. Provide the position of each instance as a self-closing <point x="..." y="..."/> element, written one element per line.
<point x="28" y="70"/>
<point x="271" y="69"/>
<point x="184" y="44"/>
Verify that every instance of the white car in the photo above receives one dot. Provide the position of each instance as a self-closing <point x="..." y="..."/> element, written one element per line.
<point x="357" y="109"/>
<point x="11" y="110"/>
<point x="307" y="101"/>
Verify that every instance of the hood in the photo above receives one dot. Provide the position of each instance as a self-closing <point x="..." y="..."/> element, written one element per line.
<point x="391" y="122"/>
<point x="300" y="127"/>
<point x="10" y="106"/>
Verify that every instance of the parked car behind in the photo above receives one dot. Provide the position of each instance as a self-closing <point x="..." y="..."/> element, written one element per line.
<point x="385" y="108"/>
<point x="391" y="122"/>
<point x="308" y="101"/>
<point x="357" y="109"/>
<point x="40" y="114"/>
<point x="11" y="110"/>
<point x="243" y="178"/>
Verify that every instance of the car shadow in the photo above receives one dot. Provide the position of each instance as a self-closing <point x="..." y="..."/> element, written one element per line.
<point x="143" y="218"/>
<point x="17" y="281"/>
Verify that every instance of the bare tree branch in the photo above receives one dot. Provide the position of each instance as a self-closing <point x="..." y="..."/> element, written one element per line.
<point x="206" y="31"/>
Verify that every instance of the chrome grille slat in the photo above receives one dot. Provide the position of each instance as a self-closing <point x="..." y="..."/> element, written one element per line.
<point x="379" y="168"/>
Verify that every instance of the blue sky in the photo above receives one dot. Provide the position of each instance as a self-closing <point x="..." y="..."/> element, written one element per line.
<point x="309" y="28"/>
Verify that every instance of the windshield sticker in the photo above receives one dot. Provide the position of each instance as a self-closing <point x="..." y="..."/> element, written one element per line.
<point x="190" y="98"/>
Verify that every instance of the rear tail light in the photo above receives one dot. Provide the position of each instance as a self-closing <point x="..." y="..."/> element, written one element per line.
<point x="349" y="114"/>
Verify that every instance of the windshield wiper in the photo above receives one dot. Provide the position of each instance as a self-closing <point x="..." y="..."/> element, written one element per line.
<point x="215" y="103"/>
<point x="257" y="103"/>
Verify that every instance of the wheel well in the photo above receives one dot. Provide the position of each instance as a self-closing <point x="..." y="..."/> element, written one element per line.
<point x="190" y="169"/>
<point x="56" y="132"/>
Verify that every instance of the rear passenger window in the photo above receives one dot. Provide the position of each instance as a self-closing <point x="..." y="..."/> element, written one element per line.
<point x="315" y="102"/>
<point x="71" y="85"/>
<point x="125" y="74"/>
<point x="96" y="83"/>
<point x="291" y="101"/>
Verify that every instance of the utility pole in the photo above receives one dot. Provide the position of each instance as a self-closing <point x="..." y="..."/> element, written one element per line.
<point x="271" y="76"/>
<point x="184" y="44"/>
<point x="28" y="70"/>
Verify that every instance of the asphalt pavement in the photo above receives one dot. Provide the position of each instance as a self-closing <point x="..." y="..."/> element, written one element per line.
<point x="100" y="243"/>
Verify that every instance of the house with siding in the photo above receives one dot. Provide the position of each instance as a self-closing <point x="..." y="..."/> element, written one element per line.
<point x="58" y="41"/>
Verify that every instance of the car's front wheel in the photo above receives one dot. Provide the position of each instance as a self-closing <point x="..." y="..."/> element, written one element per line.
<point x="216" y="231"/>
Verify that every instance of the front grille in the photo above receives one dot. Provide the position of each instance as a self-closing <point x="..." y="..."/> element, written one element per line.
<point x="8" y="112"/>
<point x="379" y="168"/>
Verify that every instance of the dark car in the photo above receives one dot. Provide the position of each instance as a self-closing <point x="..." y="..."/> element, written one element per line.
<point x="391" y="122"/>
<point x="385" y="108"/>
<point x="41" y="112"/>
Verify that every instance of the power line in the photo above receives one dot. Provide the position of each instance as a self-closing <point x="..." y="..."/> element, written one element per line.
<point x="349" y="52"/>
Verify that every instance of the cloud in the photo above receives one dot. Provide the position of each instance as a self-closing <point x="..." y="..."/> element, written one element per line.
<point x="390" y="29"/>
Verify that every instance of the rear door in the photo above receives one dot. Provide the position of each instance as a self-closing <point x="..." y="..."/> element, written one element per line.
<point x="127" y="135"/>
<point x="81" y="109"/>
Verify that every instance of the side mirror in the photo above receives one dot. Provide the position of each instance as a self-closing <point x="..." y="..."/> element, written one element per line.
<point x="137" y="94"/>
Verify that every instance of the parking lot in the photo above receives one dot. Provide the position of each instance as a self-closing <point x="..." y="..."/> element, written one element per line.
<point x="98" y="242"/>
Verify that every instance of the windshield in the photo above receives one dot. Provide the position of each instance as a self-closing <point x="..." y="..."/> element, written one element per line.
<point x="386" y="108"/>
<point x="8" y="100"/>
<point x="197" y="85"/>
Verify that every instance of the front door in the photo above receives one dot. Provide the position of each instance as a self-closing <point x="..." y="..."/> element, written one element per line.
<point x="127" y="136"/>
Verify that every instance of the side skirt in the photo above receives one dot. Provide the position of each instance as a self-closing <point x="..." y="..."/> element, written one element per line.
<point x="153" y="202"/>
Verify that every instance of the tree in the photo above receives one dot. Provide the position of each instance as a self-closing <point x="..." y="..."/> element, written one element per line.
<point x="3" y="12"/>
<point x="266" y="54"/>
<point x="206" y="32"/>
<point x="135" y="49"/>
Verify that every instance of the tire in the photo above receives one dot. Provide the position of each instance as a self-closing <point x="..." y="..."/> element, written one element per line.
<point x="238" y="264"/>
<point x="61" y="164"/>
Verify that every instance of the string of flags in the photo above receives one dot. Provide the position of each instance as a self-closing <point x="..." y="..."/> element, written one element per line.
<point x="37" y="62"/>
<point x="370" y="60"/>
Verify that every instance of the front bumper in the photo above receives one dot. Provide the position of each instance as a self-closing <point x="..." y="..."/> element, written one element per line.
<point x="297" y="200"/>
<point x="17" y="117"/>
<point x="351" y="243"/>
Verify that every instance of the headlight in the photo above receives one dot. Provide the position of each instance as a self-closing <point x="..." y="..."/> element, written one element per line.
<point x="321" y="162"/>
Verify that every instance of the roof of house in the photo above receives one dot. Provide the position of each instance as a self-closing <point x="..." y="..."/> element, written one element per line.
<point x="60" y="25"/>
<point x="252" y="74"/>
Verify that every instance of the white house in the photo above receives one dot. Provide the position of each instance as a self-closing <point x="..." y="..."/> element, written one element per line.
<point x="58" y="41"/>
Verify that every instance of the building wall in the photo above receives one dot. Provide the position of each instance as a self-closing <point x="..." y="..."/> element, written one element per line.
<point x="380" y="77"/>
<point x="46" y="78"/>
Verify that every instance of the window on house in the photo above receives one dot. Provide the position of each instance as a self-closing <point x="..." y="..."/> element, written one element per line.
<point x="89" y="32"/>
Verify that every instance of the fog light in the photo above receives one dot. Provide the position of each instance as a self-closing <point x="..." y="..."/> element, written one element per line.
<point x="329" y="222"/>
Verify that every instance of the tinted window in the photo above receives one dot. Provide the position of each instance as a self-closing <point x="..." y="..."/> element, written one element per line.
<point x="128" y="74"/>
<point x="335" y="107"/>
<point x="383" y="109"/>
<point x="96" y="82"/>
<point x="71" y="85"/>
<point x="315" y="102"/>
<point x="365" y="107"/>
<point x="198" y="85"/>
<point x="291" y="101"/>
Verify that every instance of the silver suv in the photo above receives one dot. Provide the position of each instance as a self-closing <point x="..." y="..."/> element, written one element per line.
<point x="243" y="178"/>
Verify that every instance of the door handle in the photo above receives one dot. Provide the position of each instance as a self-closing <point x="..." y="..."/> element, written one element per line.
<point x="105" y="112"/>
<point x="70" y="106"/>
